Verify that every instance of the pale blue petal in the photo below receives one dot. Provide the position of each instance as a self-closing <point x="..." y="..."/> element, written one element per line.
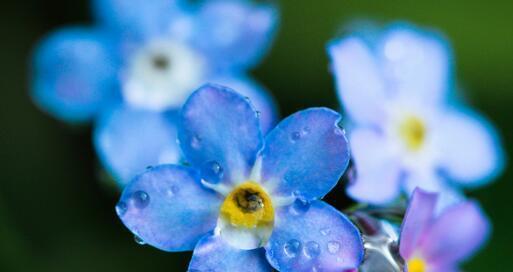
<point x="214" y="254"/>
<point x="218" y="125"/>
<point x="128" y="140"/>
<point x="378" y="169"/>
<point x="314" y="236"/>
<point x="168" y="208"/>
<point x="360" y="84"/>
<point x="305" y="154"/>
<point x="74" y="74"/>
<point x="235" y="34"/>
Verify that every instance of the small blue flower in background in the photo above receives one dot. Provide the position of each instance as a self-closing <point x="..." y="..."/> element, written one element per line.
<point x="132" y="71"/>
<point x="404" y="131"/>
<point x="246" y="197"/>
<point x="432" y="243"/>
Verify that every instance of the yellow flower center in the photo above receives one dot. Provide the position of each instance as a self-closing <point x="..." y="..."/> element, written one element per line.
<point x="416" y="265"/>
<point x="413" y="132"/>
<point x="248" y="206"/>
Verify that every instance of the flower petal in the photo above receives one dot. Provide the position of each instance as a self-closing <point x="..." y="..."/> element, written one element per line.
<point x="360" y="85"/>
<point x="74" y="74"/>
<point x="418" y="216"/>
<point x="214" y="254"/>
<point x="219" y="125"/>
<point x="305" y="154"/>
<point x="416" y="63"/>
<point x="136" y="17"/>
<point x="261" y="99"/>
<point x="168" y="208"/>
<point x="455" y="235"/>
<point x="471" y="150"/>
<point x="314" y="236"/>
<point x="378" y="171"/>
<point x="128" y="140"/>
<point x="235" y="34"/>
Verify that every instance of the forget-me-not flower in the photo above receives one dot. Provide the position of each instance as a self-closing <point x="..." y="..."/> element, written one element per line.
<point x="433" y="243"/>
<point x="405" y="132"/>
<point x="132" y="70"/>
<point x="245" y="198"/>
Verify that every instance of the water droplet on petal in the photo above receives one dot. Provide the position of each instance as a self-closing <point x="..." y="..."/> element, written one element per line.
<point x="306" y="130"/>
<point x="333" y="247"/>
<point x="291" y="248"/>
<point x="299" y="207"/>
<point x="196" y="142"/>
<point x="212" y="172"/>
<point x="141" y="199"/>
<point x="257" y="114"/>
<point x="295" y="136"/>
<point x="325" y="231"/>
<point x="139" y="240"/>
<point x="312" y="249"/>
<point x="121" y="208"/>
<point x="171" y="191"/>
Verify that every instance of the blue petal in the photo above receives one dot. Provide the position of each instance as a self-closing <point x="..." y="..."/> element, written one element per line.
<point x="261" y="99"/>
<point x="168" y="208"/>
<point x="139" y="18"/>
<point x="360" y="84"/>
<point x="213" y="254"/>
<point x="472" y="152"/>
<point x="219" y="125"/>
<point x="74" y="74"/>
<point x="305" y="154"/>
<point x="314" y="236"/>
<point x="128" y="140"/>
<point x="416" y="63"/>
<point x="235" y="34"/>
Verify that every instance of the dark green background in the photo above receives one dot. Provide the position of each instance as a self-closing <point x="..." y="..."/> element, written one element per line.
<point x="56" y="216"/>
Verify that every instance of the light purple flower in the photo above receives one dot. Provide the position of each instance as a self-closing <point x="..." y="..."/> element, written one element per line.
<point x="405" y="132"/>
<point x="430" y="242"/>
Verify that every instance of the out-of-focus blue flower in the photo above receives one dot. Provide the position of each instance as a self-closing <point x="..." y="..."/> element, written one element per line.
<point x="244" y="196"/>
<point x="430" y="243"/>
<point x="139" y="63"/>
<point x="404" y="132"/>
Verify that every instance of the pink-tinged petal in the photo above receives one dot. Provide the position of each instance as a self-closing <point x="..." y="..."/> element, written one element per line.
<point x="416" y="220"/>
<point x="457" y="234"/>
<point x="360" y="86"/>
<point x="377" y="169"/>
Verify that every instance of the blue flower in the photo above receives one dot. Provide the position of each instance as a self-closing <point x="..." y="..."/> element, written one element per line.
<point x="132" y="71"/>
<point x="406" y="130"/>
<point x="244" y="198"/>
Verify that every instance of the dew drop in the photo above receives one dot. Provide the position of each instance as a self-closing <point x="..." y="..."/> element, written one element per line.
<point x="291" y="248"/>
<point x="306" y="130"/>
<point x="212" y="172"/>
<point x="196" y="142"/>
<point x="299" y="207"/>
<point x="139" y="240"/>
<point x="257" y="113"/>
<point x="295" y="136"/>
<point x="121" y="208"/>
<point x="325" y="231"/>
<point x="333" y="247"/>
<point x="312" y="249"/>
<point x="141" y="199"/>
<point x="171" y="191"/>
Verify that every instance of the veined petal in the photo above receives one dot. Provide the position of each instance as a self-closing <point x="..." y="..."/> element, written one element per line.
<point x="311" y="236"/>
<point x="360" y="86"/>
<point x="417" y="219"/>
<point x="416" y="63"/>
<point x="136" y="17"/>
<point x="168" y="208"/>
<point x="219" y="125"/>
<point x="455" y="235"/>
<point x="305" y="155"/>
<point x="128" y="140"/>
<point x="235" y="34"/>
<point x="214" y="254"/>
<point x="261" y="99"/>
<point x="74" y="74"/>
<point x="471" y="150"/>
<point x="378" y="170"/>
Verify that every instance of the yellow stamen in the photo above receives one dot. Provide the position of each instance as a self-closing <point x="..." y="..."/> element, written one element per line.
<point x="248" y="206"/>
<point x="416" y="265"/>
<point x="413" y="132"/>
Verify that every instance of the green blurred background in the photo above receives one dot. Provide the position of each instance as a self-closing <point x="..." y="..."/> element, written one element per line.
<point x="55" y="215"/>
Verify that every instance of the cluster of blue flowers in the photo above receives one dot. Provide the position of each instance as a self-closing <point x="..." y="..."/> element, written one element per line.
<point x="195" y="146"/>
